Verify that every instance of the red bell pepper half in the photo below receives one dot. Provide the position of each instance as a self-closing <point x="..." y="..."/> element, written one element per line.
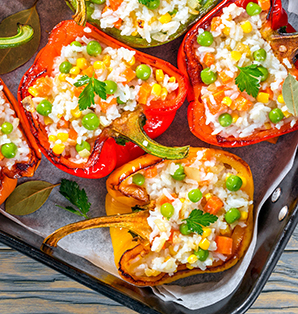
<point x="105" y="153"/>
<point x="190" y="65"/>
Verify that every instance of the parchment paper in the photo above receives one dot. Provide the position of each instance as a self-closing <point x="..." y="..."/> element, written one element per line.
<point x="269" y="164"/>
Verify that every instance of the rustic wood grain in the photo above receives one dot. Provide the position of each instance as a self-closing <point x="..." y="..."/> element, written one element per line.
<point x="27" y="286"/>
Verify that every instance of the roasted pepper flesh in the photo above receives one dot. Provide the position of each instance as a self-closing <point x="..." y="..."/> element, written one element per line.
<point x="124" y="194"/>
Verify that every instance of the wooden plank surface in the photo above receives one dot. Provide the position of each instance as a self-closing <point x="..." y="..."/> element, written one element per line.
<point x="27" y="286"/>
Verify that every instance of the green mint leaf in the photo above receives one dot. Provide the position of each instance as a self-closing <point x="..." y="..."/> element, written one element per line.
<point x="86" y="98"/>
<point x="197" y="219"/>
<point x="100" y="88"/>
<point x="249" y="79"/>
<point x="82" y="81"/>
<point x="71" y="191"/>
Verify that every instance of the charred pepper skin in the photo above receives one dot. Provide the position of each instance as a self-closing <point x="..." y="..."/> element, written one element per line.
<point x="106" y="154"/>
<point x="191" y="67"/>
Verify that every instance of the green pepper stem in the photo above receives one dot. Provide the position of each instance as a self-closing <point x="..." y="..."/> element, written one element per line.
<point x="130" y="126"/>
<point x="25" y="33"/>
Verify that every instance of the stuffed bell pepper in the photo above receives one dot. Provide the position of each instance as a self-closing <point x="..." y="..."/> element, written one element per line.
<point x="19" y="155"/>
<point x="85" y="89"/>
<point x="178" y="218"/>
<point x="141" y="23"/>
<point x="241" y="70"/>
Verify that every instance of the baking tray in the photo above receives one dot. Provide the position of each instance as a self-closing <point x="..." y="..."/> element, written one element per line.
<point x="273" y="234"/>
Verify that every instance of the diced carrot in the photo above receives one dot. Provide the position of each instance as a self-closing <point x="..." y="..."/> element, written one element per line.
<point x="224" y="245"/>
<point x="213" y="205"/>
<point x="106" y="105"/>
<point x="209" y="59"/>
<point x="218" y="106"/>
<point x="105" y="9"/>
<point x="115" y="4"/>
<point x="1" y="156"/>
<point x="144" y="93"/>
<point x="207" y="155"/>
<point x="73" y="135"/>
<point x="89" y="71"/>
<point x="212" y="88"/>
<point x="216" y="21"/>
<point x="63" y="124"/>
<point x="242" y="104"/>
<point x="264" y="4"/>
<point x="151" y="172"/>
<point x="77" y="90"/>
<point x="129" y="74"/>
<point x="164" y="199"/>
<point x="118" y="24"/>
<point x="43" y="86"/>
<point x="224" y="77"/>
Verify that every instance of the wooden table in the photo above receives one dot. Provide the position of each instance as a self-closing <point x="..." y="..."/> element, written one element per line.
<point x="27" y="286"/>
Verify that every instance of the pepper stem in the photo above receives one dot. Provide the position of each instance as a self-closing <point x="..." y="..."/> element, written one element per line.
<point x="130" y="126"/>
<point x="81" y="13"/>
<point x="25" y="33"/>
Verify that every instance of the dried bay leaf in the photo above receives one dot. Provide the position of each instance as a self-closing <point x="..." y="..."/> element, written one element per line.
<point x="28" y="197"/>
<point x="12" y="58"/>
<point x="290" y="94"/>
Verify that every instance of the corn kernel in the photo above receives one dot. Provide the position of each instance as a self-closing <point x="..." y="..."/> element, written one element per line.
<point x="204" y="244"/>
<point x="267" y="125"/>
<point x="106" y="60"/>
<point x="226" y="31"/>
<point x="286" y="113"/>
<point x="192" y="259"/>
<point x="172" y="79"/>
<point x="242" y="48"/>
<point x="62" y="76"/>
<point x="33" y="91"/>
<point x="208" y="196"/>
<point x="82" y="63"/>
<point x="135" y="33"/>
<point x="159" y="75"/>
<point x="246" y="27"/>
<point x="244" y="215"/>
<point x="151" y="272"/>
<point x="84" y="153"/>
<point x="156" y="90"/>
<point x="62" y="136"/>
<point x="244" y="181"/>
<point x="236" y="55"/>
<point x="47" y="120"/>
<point x="58" y="149"/>
<point x="235" y="117"/>
<point x="166" y="18"/>
<point x="75" y="70"/>
<point x="164" y="93"/>
<point x="132" y="61"/>
<point x="182" y="200"/>
<point x="206" y="232"/>
<point x="227" y="101"/>
<point x="263" y="97"/>
<point x="189" y="266"/>
<point x="52" y="138"/>
<point x="225" y="232"/>
<point x="280" y="99"/>
<point x="99" y="65"/>
<point x="76" y="113"/>
<point x="59" y="115"/>
<point x="172" y="251"/>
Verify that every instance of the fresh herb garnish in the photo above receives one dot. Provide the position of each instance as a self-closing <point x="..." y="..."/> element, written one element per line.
<point x="197" y="219"/>
<point x="290" y="94"/>
<point x="249" y="79"/>
<point x="94" y="86"/>
<point x="71" y="191"/>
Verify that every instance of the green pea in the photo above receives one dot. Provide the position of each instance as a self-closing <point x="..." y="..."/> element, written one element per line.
<point x="153" y="4"/>
<point x="195" y="195"/>
<point x="260" y="55"/>
<point x="143" y="72"/>
<point x="76" y="43"/>
<point x="232" y="215"/>
<point x="201" y="254"/>
<point x="179" y="174"/>
<point x="90" y="121"/>
<point x="98" y="1"/>
<point x="111" y="87"/>
<point x="9" y="150"/>
<point x="225" y="119"/>
<point x="6" y="128"/>
<point x="275" y="115"/>
<point x="205" y="39"/>
<point x="94" y="48"/>
<point x="119" y="101"/>
<point x="265" y="73"/>
<point x="233" y="183"/>
<point x="208" y="77"/>
<point x="183" y="228"/>
<point x="167" y="210"/>
<point x="82" y="146"/>
<point x="65" y="67"/>
<point x="253" y="9"/>
<point x="44" y="108"/>
<point x="138" y="179"/>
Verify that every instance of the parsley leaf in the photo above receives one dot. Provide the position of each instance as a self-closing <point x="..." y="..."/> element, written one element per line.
<point x="86" y="98"/>
<point x="249" y="79"/>
<point x="197" y="219"/>
<point x="71" y="191"/>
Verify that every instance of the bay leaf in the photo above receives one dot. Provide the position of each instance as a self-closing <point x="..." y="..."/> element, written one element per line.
<point x="28" y="197"/>
<point x="12" y="58"/>
<point x="290" y="94"/>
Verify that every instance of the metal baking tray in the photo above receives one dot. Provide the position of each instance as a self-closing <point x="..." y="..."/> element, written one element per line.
<point x="273" y="234"/>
